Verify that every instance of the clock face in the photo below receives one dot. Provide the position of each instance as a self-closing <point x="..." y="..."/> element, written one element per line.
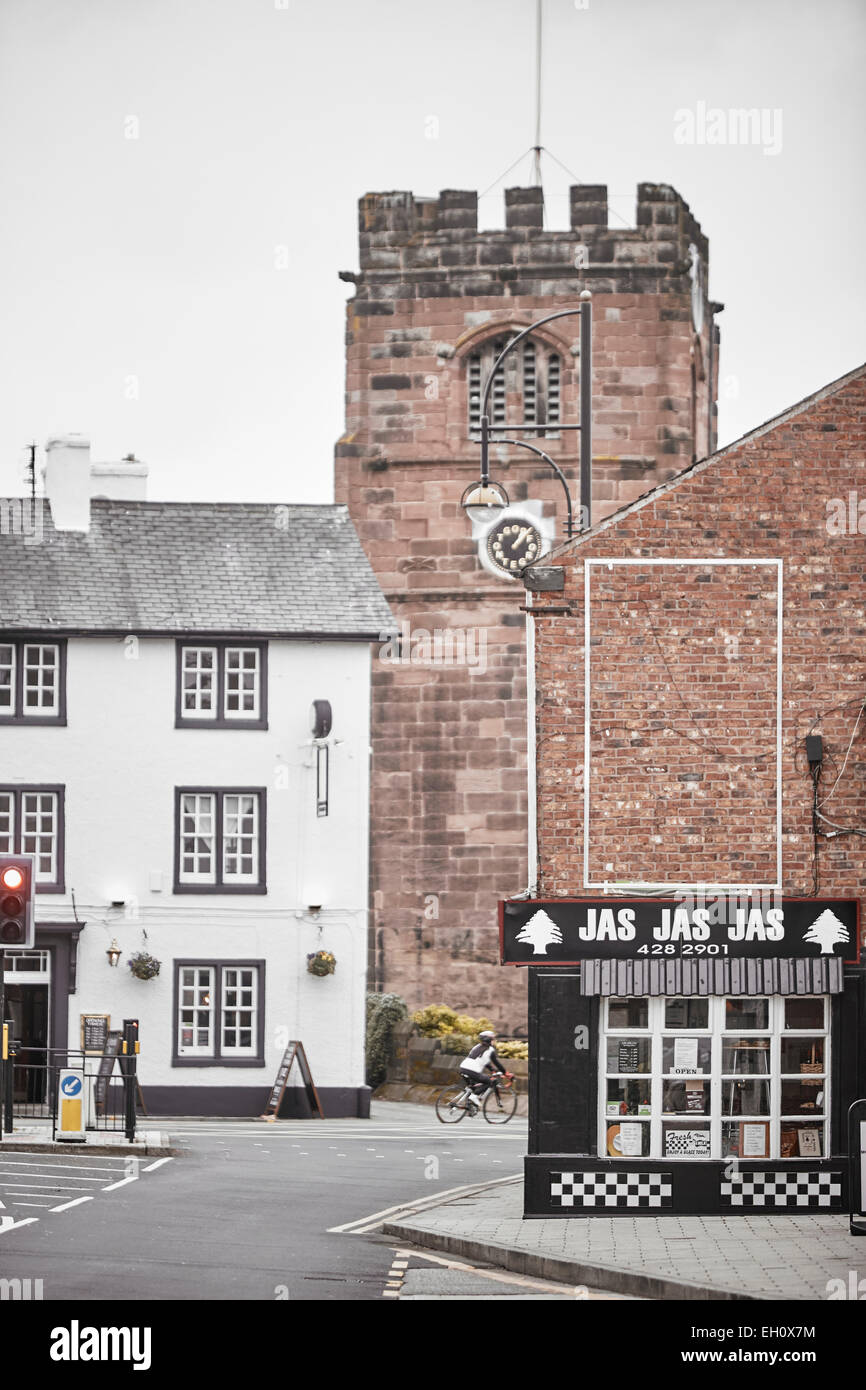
<point x="512" y="544"/>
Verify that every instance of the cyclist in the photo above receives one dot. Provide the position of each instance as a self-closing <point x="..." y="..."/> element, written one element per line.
<point x="481" y="1059"/>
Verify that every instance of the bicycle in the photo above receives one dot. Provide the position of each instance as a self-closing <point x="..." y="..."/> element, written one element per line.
<point x="499" y="1103"/>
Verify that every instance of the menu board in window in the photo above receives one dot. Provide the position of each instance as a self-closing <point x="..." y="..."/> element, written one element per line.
<point x="755" y="1141"/>
<point x="810" y="1143"/>
<point x="685" y="1055"/>
<point x="631" y="1138"/>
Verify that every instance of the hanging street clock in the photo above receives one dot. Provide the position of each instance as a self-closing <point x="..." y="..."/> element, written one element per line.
<point x="512" y="543"/>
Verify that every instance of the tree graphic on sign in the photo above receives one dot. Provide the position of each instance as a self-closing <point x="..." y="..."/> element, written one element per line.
<point x="827" y="931"/>
<point x="540" y="932"/>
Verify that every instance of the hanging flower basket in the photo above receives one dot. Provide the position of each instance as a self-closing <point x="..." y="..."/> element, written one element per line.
<point x="143" y="966"/>
<point x="321" y="963"/>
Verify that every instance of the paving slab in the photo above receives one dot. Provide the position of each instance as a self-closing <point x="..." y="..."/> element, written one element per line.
<point x="712" y="1257"/>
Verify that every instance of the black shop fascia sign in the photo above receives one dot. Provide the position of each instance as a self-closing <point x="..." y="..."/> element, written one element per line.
<point x="565" y="931"/>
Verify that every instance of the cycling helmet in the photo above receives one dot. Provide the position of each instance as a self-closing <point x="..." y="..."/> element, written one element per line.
<point x="487" y="1035"/>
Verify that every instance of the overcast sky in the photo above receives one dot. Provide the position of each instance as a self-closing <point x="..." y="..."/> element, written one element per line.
<point x="157" y="155"/>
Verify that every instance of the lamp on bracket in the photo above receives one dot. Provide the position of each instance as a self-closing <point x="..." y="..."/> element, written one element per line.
<point x="483" y="501"/>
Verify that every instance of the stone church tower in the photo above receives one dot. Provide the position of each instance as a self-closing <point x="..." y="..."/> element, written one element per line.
<point x="434" y="298"/>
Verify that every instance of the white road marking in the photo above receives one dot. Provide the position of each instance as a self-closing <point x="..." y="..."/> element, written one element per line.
<point x="30" y="1204"/>
<point x="56" y="1167"/>
<point x="45" y="1174"/>
<point x="364" y="1224"/>
<point x="158" y="1164"/>
<point x="112" y="1186"/>
<point x="76" y="1203"/>
<point x="44" y="1187"/>
<point x="8" y="1223"/>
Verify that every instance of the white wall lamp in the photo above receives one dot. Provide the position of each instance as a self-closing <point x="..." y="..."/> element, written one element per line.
<point x="114" y="952"/>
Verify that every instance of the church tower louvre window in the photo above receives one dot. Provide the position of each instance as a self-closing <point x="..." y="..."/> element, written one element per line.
<point x="531" y="379"/>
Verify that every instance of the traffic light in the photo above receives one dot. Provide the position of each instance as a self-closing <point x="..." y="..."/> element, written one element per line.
<point x="17" y="927"/>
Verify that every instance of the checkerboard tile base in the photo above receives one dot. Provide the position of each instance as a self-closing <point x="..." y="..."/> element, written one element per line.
<point x="767" y="1189"/>
<point x="636" y="1190"/>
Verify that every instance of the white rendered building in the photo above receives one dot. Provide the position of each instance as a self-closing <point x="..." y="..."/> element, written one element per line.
<point x="159" y="663"/>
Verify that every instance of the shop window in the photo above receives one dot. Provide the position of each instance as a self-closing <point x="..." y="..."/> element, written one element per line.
<point x="714" y="1077"/>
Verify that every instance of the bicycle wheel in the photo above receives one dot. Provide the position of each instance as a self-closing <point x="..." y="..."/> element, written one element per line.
<point x="499" y="1106"/>
<point x="447" y="1109"/>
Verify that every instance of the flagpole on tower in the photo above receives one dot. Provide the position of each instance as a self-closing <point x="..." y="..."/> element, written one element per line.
<point x="536" y="149"/>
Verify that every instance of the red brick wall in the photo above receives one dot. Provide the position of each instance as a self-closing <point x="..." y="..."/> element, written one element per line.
<point x="449" y="794"/>
<point x="686" y="680"/>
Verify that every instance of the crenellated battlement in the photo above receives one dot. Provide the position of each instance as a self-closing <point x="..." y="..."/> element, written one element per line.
<point x="402" y="236"/>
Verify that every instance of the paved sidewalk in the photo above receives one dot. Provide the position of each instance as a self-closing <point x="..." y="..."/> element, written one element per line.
<point x="671" y="1257"/>
<point x="36" y="1138"/>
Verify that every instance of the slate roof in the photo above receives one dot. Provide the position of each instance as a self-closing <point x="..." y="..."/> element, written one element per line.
<point x="178" y="566"/>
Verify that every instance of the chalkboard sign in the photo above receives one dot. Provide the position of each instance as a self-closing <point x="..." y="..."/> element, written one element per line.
<point x="275" y="1099"/>
<point x="106" y="1066"/>
<point x="94" y="1032"/>
<point x="629" y="1056"/>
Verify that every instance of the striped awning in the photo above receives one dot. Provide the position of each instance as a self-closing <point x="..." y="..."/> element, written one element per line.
<point x="772" y="976"/>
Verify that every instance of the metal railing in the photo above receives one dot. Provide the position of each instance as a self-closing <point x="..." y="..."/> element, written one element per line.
<point x="31" y="1088"/>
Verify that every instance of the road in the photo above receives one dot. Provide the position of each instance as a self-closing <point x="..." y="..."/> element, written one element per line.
<point x="249" y="1211"/>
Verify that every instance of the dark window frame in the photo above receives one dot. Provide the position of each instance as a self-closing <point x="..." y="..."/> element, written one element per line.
<point x="261" y="887"/>
<point x="19" y="643"/>
<point x="18" y="789"/>
<point x="218" y="964"/>
<point x="182" y="721"/>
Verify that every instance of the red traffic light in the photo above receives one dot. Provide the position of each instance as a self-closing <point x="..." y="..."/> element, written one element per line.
<point x="17" y="926"/>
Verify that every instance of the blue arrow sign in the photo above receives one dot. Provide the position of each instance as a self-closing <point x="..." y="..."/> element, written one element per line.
<point x="70" y="1085"/>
